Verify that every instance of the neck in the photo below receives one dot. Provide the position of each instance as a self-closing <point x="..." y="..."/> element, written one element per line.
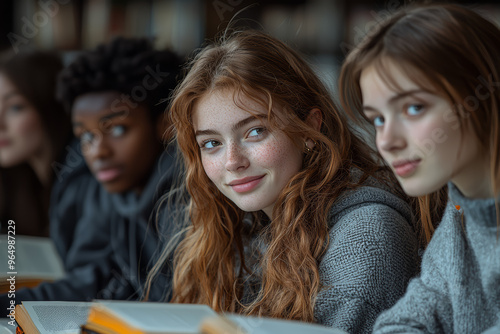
<point x="476" y="181"/>
<point x="269" y="211"/>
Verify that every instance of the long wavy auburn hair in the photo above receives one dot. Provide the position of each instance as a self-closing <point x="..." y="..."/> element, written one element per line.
<point x="209" y="262"/>
<point x="446" y="49"/>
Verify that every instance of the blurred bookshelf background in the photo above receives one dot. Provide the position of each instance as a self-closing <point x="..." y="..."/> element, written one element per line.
<point x="323" y="30"/>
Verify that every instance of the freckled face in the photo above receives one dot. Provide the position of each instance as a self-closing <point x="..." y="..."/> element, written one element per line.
<point x="418" y="134"/>
<point x="22" y="134"/>
<point x="249" y="163"/>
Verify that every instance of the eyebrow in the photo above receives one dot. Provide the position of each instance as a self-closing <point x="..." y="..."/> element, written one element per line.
<point x="10" y="95"/>
<point x="235" y="127"/>
<point x="104" y="118"/>
<point x="397" y="97"/>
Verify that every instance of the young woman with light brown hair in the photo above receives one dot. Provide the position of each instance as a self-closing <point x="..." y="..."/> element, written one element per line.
<point x="428" y="81"/>
<point x="288" y="216"/>
<point x="34" y="133"/>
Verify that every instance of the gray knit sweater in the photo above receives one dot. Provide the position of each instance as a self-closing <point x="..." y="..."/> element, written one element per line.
<point x="372" y="254"/>
<point x="458" y="290"/>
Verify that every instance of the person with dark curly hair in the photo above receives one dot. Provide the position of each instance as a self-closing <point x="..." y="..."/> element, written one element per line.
<point x="116" y="96"/>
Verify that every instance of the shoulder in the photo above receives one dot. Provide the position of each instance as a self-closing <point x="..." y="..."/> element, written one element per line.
<point x="372" y="233"/>
<point x="372" y="225"/>
<point x="450" y="230"/>
<point x="371" y="255"/>
<point x="370" y="208"/>
<point x="72" y="181"/>
<point x="449" y="241"/>
<point x="374" y="192"/>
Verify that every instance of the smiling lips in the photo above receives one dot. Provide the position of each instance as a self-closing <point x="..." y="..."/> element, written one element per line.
<point x="405" y="167"/>
<point x="246" y="184"/>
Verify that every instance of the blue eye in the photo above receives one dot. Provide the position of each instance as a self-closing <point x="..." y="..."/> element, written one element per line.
<point x="210" y="144"/>
<point x="117" y="130"/>
<point x="378" y="121"/>
<point x="86" y="137"/>
<point x="15" y="108"/>
<point x="256" y="132"/>
<point x="415" y="109"/>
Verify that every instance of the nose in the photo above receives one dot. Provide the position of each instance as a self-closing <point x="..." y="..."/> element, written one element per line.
<point x="391" y="137"/>
<point x="236" y="158"/>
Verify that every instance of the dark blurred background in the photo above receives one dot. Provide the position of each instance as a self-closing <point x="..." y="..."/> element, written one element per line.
<point x="323" y="30"/>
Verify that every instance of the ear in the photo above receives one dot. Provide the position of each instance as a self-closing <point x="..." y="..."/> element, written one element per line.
<point x="315" y="119"/>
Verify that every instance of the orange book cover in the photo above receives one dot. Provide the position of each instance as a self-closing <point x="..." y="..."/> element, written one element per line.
<point x="112" y="317"/>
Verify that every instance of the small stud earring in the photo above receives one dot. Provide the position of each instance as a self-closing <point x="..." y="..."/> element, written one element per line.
<point x="308" y="150"/>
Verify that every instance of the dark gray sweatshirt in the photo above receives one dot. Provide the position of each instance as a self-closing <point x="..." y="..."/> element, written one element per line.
<point x="458" y="290"/>
<point x="107" y="241"/>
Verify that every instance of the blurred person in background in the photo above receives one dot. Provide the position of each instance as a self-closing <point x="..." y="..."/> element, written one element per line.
<point x="34" y="135"/>
<point x="114" y="94"/>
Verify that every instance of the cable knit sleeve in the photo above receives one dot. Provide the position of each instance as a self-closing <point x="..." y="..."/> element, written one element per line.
<point x="372" y="254"/>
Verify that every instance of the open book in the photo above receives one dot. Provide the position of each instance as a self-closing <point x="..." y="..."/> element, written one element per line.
<point x="117" y="317"/>
<point x="43" y="317"/>
<point x="238" y="324"/>
<point x="114" y="317"/>
<point x="27" y="262"/>
<point x="110" y="317"/>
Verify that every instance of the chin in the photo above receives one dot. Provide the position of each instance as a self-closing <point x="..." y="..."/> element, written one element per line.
<point x="250" y="207"/>
<point x="420" y="189"/>
<point x="415" y="192"/>
<point x="9" y="162"/>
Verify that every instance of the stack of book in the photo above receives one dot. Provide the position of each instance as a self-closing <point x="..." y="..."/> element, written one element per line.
<point x="117" y="317"/>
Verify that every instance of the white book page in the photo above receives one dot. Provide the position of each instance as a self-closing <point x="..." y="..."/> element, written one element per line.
<point x="256" y="325"/>
<point x="35" y="257"/>
<point x="160" y="317"/>
<point x="58" y="317"/>
<point x="6" y="326"/>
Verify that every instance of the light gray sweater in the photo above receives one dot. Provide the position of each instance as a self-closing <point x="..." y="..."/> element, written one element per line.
<point x="372" y="255"/>
<point x="458" y="290"/>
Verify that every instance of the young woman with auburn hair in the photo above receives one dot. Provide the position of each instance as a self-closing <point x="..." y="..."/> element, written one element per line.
<point x="428" y="80"/>
<point x="288" y="216"/>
